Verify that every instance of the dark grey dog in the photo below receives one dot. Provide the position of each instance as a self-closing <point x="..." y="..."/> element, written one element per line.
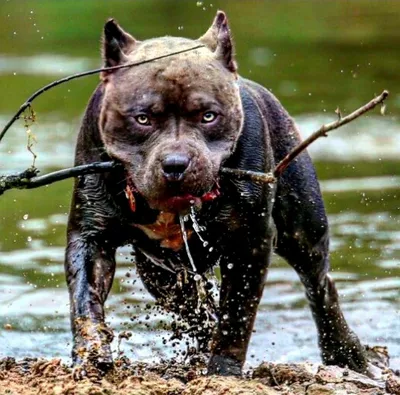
<point x="171" y="124"/>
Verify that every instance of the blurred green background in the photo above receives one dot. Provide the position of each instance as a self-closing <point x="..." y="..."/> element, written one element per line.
<point x="315" y="56"/>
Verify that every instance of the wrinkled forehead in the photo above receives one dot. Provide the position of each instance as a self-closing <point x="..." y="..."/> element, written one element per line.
<point x="196" y="73"/>
<point x="160" y="46"/>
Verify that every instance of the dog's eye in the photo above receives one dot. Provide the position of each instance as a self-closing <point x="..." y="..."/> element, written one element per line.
<point x="208" y="117"/>
<point x="143" y="119"/>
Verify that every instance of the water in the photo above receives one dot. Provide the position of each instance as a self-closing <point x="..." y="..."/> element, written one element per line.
<point x="314" y="57"/>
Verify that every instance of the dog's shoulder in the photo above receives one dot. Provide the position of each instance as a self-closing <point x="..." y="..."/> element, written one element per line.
<point x="89" y="145"/>
<point x="277" y="117"/>
<point x="282" y="129"/>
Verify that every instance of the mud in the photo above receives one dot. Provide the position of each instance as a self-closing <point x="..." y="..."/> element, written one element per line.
<point x="51" y="377"/>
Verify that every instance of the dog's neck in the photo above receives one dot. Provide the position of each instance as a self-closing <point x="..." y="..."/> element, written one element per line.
<point x="166" y="228"/>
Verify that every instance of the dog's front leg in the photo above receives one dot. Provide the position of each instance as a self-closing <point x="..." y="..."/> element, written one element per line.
<point x="243" y="273"/>
<point x="90" y="272"/>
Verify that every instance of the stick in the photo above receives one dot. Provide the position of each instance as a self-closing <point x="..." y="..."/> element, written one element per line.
<point x="28" y="179"/>
<point x="249" y="175"/>
<point x="324" y="129"/>
<point x="31" y="98"/>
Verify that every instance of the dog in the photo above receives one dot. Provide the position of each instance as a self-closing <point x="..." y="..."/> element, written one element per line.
<point x="172" y="124"/>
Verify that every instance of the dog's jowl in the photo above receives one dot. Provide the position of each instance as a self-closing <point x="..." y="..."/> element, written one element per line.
<point x="171" y="124"/>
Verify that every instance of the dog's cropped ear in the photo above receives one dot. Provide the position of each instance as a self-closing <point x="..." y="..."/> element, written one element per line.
<point x="219" y="40"/>
<point x="116" y="44"/>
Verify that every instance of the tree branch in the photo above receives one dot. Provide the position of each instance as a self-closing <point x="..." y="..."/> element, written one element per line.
<point x="31" y="98"/>
<point x="254" y="176"/>
<point x="28" y="179"/>
<point x="324" y="129"/>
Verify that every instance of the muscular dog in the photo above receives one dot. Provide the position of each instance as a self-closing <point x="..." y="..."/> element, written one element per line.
<point x="172" y="124"/>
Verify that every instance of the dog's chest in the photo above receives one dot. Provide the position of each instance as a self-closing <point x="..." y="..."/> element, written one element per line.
<point x="168" y="230"/>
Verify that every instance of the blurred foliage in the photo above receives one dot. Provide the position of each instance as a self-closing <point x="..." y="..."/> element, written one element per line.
<point x="314" y="54"/>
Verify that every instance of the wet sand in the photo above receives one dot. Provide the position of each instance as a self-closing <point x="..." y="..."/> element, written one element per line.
<point x="51" y="377"/>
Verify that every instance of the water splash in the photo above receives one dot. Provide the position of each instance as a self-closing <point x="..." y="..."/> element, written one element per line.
<point x="201" y="291"/>
<point x="185" y="241"/>
<point x="196" y="227"/>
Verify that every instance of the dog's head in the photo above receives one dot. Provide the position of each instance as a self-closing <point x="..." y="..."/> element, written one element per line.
<point x="172" y="121"/>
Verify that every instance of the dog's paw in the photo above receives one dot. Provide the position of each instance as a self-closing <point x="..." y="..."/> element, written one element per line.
<point x="96" y="354"/>
<point x="344" y="350"/>
<point x="92" y="362"/>
<point x="224" y="366"/>
<point x="87" y="371"/>
<point x="92" y="356"/>
<point x="92" y="349"/>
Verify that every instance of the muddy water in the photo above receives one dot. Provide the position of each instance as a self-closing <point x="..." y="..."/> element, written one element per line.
<point x="358" y="166"/>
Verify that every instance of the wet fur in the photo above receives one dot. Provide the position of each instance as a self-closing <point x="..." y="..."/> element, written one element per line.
<point x="240" y="225"/>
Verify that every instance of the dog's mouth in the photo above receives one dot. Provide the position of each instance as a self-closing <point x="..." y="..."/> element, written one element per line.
<point x="180" y="203"/>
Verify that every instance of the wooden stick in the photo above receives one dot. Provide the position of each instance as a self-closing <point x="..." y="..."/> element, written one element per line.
<point x="31" y="98"/>
<point x="323" y="132"/>
<point x="28" y="179"/>
<point x="249" y="175"/>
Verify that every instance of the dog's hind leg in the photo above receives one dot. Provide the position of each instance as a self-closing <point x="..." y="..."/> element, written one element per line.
<point x="303" y="240"/>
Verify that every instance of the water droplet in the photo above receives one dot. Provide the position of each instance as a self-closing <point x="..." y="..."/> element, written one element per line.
<point x="199" y="3"/>
<point x="25" y="217"/>
<point x="185" y="241"/>
<point x="197" y="277"/>
<point x="29" y="238"/>
<point x="230" y="265"/>
<point x="205" y="243"/>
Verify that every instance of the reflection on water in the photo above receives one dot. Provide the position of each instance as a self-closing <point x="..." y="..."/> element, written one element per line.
<point x="359" y="165"/>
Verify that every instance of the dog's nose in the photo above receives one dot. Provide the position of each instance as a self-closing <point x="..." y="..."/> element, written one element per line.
<point x="174" y="165"/>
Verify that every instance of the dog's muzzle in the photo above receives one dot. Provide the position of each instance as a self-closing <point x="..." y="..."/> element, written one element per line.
<point x="176" y="204"/>
<point x="174" y="166"/>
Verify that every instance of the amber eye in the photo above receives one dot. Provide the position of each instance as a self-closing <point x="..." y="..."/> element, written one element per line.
<point x="143" y="119"/>
<point x="208" y="117"/>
